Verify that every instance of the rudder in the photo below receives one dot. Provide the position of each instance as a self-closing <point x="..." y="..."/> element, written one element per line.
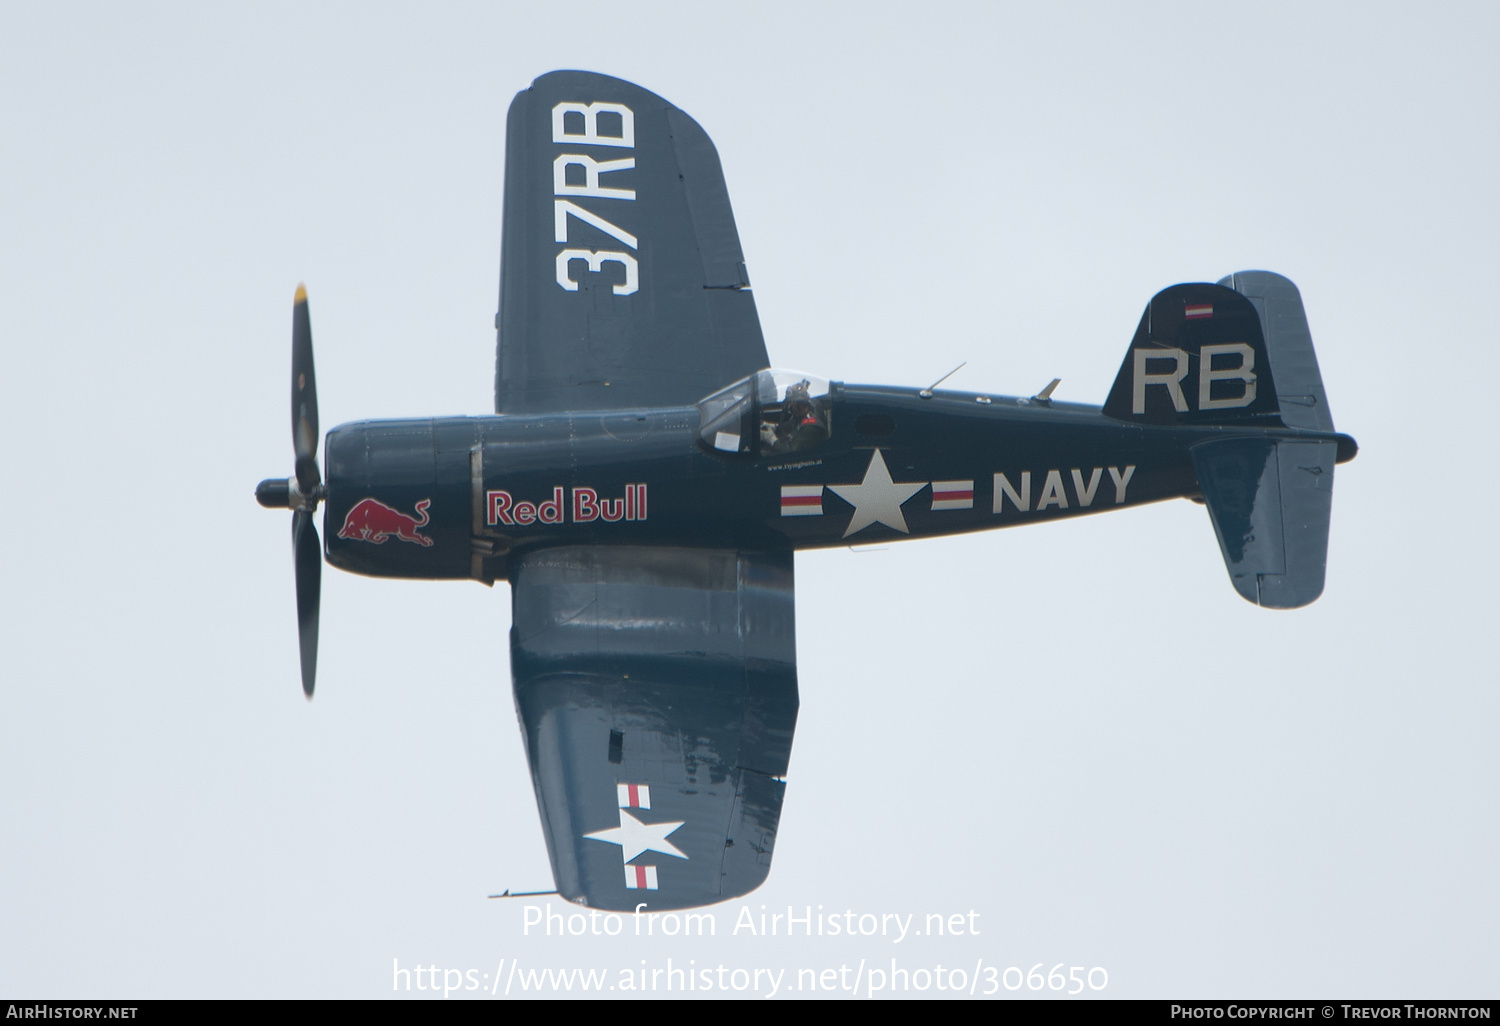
<point x="1289" y="348"/>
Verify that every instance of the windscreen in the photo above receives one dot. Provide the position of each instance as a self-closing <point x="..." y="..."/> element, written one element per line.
<point x="771" y="413"/>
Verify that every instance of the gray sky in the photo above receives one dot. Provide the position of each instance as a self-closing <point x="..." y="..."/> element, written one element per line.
<point x="1078" y="730"/>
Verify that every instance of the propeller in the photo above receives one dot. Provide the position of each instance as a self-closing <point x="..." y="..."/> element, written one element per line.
<point x="302" y="492"/>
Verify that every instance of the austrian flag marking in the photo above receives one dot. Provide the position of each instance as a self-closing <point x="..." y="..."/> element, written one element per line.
<point x="1197" y="311"/>
<point x="802" y="500"/>
<point x="634" y="796"/>
<point x="952" y="495"/>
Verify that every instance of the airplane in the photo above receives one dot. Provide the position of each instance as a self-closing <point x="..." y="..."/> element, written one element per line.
<point x="647" y="476"/>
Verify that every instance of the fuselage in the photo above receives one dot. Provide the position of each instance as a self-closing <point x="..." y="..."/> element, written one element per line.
<point x="456" y="497"/>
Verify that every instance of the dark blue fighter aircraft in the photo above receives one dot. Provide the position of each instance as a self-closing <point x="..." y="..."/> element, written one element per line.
<point x="645" y="480"/>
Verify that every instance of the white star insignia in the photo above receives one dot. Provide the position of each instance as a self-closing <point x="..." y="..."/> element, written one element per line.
<point x="877" y="499"/>
<point x="634" y="837"/>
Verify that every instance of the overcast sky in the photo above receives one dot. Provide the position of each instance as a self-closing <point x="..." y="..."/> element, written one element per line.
<point x="1078" y="731"/>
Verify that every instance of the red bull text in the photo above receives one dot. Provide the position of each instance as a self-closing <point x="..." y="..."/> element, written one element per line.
<point x="585" y="506"/>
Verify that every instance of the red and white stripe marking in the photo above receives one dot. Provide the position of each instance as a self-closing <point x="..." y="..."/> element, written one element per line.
<point x="1195" y="311"/>
<point x="952" y="495"/>
<point x="640" y="878"/>
<point x="634" y="796"/>
<point x="802" y="500"/>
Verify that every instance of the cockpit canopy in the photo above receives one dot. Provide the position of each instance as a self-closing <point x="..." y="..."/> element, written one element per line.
<point x="770" y="413"/>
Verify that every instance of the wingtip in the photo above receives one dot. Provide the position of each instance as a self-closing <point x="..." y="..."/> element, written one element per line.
<point x="301" y="296"/>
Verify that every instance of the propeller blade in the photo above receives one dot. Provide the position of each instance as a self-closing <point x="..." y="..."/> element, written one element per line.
<point x="304" y="397"/>
<point x="307" y="553"/>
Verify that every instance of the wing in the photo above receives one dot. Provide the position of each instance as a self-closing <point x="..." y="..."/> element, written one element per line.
<point x="622" y="284"/>
<point x="657" y="691"/>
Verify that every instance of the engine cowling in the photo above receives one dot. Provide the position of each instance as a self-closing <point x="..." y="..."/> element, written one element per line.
<point x="399" y="500"/>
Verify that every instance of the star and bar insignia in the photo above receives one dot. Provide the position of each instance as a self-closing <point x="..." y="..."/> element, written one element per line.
<point x="877" y="499"/>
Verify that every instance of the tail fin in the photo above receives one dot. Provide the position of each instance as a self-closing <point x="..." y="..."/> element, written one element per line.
<point x="1235" y="353"/>
<point x="1239" y="354"/>
<point x="1198" y="357"/>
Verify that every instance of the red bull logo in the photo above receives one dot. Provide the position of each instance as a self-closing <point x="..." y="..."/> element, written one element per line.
<point x="374" y="522"/>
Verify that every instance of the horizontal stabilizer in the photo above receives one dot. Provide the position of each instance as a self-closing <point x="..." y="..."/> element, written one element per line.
<point x="1270" y="501"/>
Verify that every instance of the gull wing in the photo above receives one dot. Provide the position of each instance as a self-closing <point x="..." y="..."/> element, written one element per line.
<point x="657" y="692"/>
<point x="622" y="283"/>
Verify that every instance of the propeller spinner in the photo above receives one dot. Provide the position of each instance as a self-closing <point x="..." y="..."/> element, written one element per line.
<point x="302" y="492"/>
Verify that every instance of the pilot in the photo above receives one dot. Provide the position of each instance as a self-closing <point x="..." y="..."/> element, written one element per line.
<point x="803" y="423"/>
